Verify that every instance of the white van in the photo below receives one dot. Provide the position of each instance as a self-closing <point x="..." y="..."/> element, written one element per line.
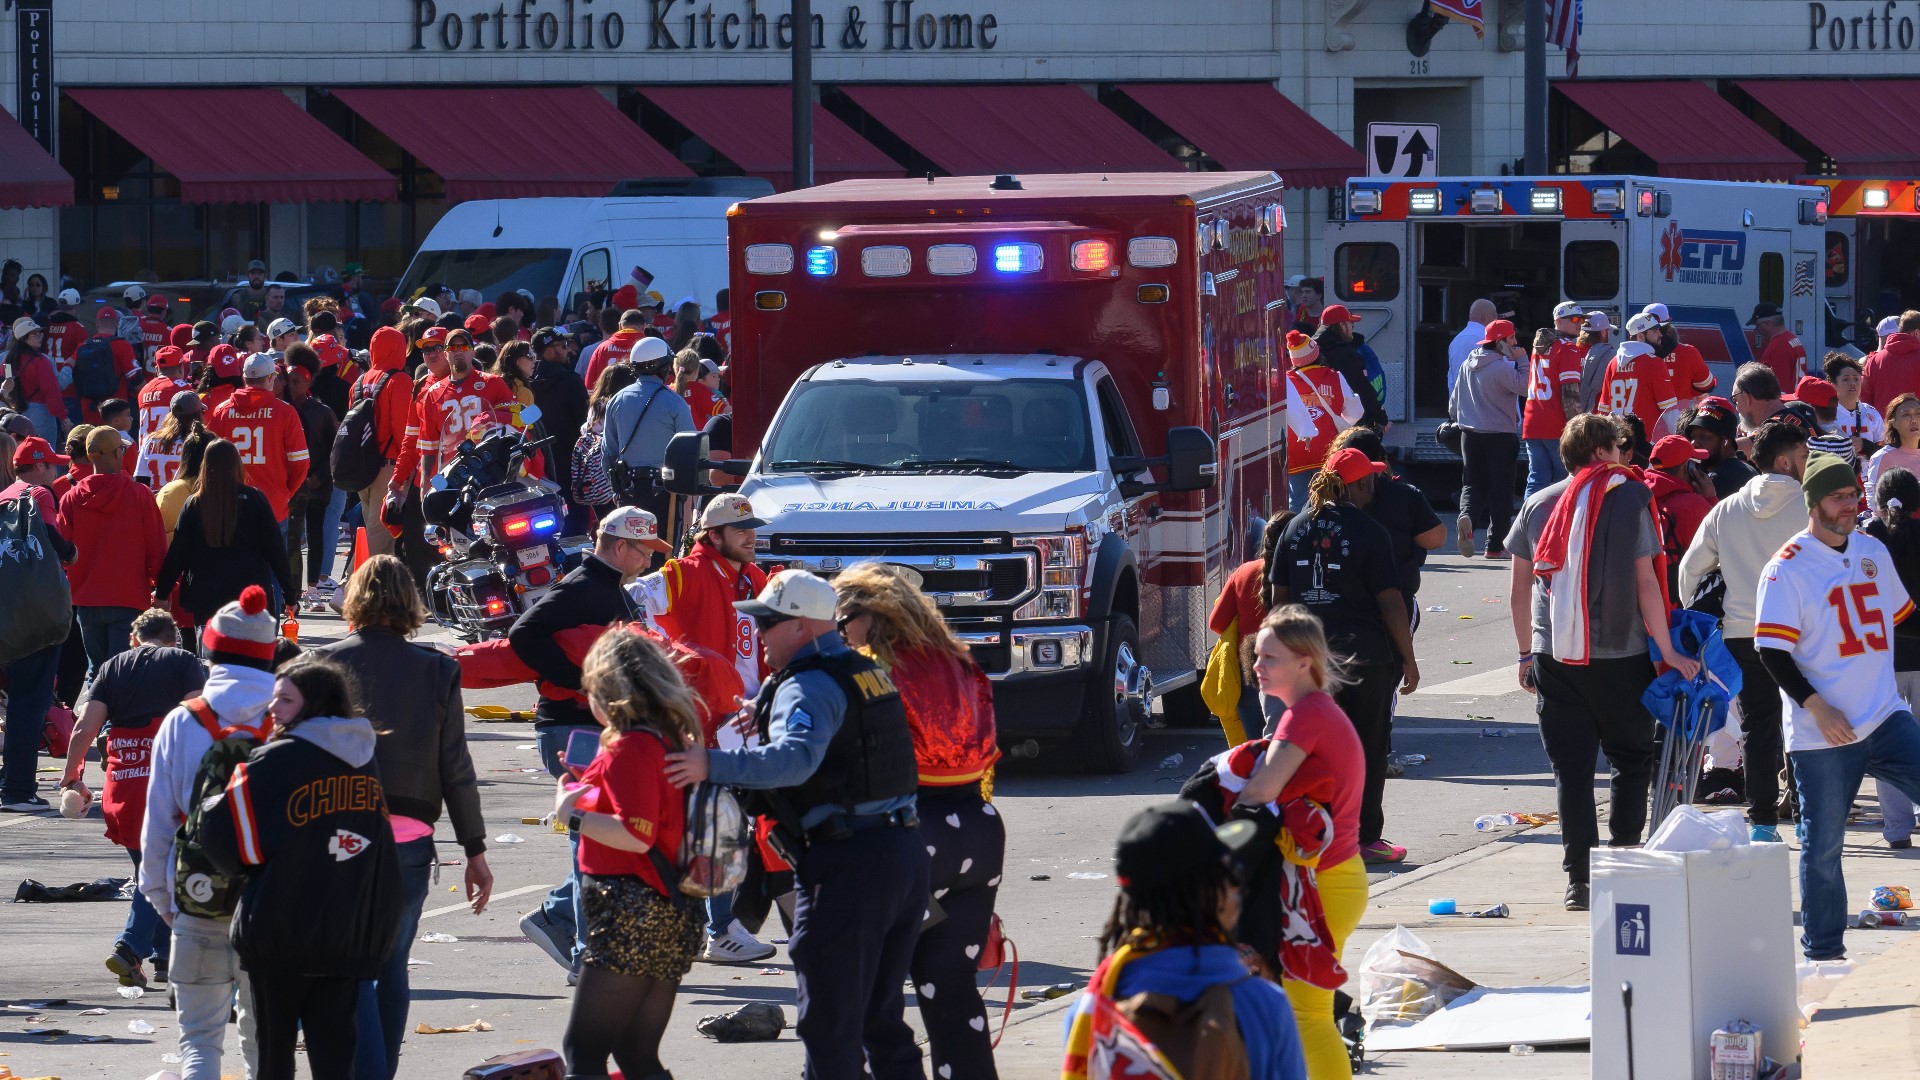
<point x="676" y="229"/>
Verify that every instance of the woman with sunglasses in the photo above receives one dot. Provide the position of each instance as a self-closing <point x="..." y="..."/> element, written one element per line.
<point x="949" y="706"/>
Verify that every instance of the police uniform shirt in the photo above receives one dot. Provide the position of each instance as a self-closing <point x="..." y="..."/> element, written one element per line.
<point x="807" y="711"/>
<point x="641" y="442"/>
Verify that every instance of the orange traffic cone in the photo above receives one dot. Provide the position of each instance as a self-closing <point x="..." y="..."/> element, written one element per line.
<point x="359" y="547"/>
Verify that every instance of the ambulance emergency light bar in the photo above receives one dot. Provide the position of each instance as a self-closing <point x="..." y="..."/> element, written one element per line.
<point x="1008" y="256"/>
<point x="1430" y="201"/>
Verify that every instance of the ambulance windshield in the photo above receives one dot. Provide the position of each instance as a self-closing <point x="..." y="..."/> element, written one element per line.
<point x="856" y="425"/>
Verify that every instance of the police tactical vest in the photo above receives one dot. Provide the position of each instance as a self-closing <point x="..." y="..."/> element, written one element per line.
<point x="870" y="757"/>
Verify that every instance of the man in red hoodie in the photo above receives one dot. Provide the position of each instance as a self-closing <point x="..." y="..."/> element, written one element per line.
<point x="1682" y="495"/>
<point x="267" y="432"/>
<point x="115" y="524"/>
<point x="1895" y="369"/>
<point x="618" y="348"/>
<point x="390" y="387"/>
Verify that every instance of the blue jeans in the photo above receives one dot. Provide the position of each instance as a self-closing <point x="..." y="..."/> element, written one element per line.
<point x="1829" y="778"/>
<point x="1297" y="485"/>
<point x="30" y="682"/>
<point x="719" y="914"/>
<point x="382" y="1014"/>
<point x="330" y="532"/>
<point x="146" y="935"/>
<point x="104" y="631"/>
<point x="562" y="905"/>
<point x="1544" y="466"/>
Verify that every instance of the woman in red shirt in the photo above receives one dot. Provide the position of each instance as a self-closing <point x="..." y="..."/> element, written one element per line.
<point x="642" y="938"/>
<point x="1242" y="604"/>
<point x="36" y="388"/>
<point x="949" y="706"/>
<point x="1316" y="754"/>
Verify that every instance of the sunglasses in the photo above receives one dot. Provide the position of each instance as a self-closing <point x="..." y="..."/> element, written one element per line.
<point x="764" y="623"/>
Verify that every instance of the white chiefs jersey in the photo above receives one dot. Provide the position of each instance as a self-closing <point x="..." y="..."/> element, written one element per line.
<point x="1834" y="612"/>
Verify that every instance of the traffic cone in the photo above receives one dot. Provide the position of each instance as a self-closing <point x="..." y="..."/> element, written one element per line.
<point x="359" y="547"/>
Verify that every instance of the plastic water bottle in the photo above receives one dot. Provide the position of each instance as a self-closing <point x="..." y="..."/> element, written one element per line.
<point x="1494" y="821"/>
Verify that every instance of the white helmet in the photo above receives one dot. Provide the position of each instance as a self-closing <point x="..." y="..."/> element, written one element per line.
<point x="134" y="294"/>
<point x="1642" y="323"/>
<point x="649" y="351"/>
<point x="70" y="297"/>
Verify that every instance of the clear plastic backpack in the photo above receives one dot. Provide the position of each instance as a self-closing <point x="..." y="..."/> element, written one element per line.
<point x="714" y="848"/>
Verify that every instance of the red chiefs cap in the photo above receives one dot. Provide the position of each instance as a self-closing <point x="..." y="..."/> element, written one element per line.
<point x="225" y="361"/>
<point x="1673" y="451"/>
<point x="1818" y="393"/>
<point x="1353" y="463"/>
<point x="626" y="298"/>
<point x="434" y="338"/>
<point x="35" y="450"/>
<point x="332" y="353"/>
<point x="1335" y="314"/>
<point x="181" y="335"/>
<point x="107" y="313"/>
<point x="169" y="356"/>
<point x="478" y="323"/>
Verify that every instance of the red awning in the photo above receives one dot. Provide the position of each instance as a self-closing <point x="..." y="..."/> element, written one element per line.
<point x="1252" y="126"/>
<point x="515" y="143"/>
<point x="1687" y="129"/>
<point x="983" y="130"/>
<point x="30" y="177"/>
<point x="302" y="162"/>
<point x="1865" y="126"/>
<point x="752" y="126"/>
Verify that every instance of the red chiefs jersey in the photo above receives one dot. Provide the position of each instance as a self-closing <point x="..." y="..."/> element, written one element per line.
<point x="1788" y="359"/>
<point x="155" y="398"/>
<point x="1311" y="428"/>
<point x="1636" y="382"/>
<point x="1688" y="369"/>
<point x="723" y="330"/>
<point x="63" y="344"/>
<point x="271" y="442"/>
<point x="693" y="603"/>
<point x="1546" y="415"/>
<point x="153" y="333"/>
<point x="447" y="410"/>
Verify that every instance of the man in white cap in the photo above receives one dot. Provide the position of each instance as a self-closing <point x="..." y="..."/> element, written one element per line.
<point x="1685" y="366"/>
<point x="1597" y="332"/>
<point x="198" y="903"/>
<point x="641" y="419"/>
<point x="267" y="433"/>
<point x="834" y="768"/>
<point x="282" y="335"/>
<point x="1637" y="381"/>
<point x="1553" y="398"/>
<point x="592" y="594"/>
<point x="692" y="600"/>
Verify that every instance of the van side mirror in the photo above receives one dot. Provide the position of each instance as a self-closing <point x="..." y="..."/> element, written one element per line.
<point x="1191" y="463"/>
<point x="685" y="464"/>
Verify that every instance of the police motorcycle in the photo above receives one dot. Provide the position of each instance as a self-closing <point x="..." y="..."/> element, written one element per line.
<point x="497" y="531"/>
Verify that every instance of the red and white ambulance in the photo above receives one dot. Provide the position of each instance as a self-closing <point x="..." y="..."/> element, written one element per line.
<point x="1872" y="258"/>
<point x="1409" y="257"/>
<point x="977" y="378"/>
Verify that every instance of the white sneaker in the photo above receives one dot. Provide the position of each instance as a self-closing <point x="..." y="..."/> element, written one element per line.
<point x="736" y="946"/>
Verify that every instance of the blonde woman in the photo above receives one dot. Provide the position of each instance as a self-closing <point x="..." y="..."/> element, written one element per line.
<point x="949" y="706"/>
<point x="1314" y="752"/>
<point x="640" y="942"/>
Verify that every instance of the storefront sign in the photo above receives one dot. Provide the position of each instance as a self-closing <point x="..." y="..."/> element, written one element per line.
<point x="681" y="25"/>
<point x="1885" y="26"/>
<point x="35" y="52"/>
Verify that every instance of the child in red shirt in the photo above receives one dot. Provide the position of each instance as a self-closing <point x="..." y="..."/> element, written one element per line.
<point x="642" y="935"/>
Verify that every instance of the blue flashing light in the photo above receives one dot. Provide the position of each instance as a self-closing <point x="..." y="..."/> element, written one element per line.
<point x="1016" y="258"/>
<point x="544" y="522"/>
<point x="821" y="261"/>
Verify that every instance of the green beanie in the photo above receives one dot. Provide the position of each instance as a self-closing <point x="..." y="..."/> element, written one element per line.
<point x="1825" y="474"/>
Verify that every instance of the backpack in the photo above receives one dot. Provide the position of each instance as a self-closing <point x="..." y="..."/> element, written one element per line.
<point x="1200" y="1038"/>
<point x="714" y="845"/>
<point x="356" y="458"/>
<point x="39" y="608"/>
<point x="591" y="485"/>
<point x="94" y="374"/>
<point x="199" y="888"/>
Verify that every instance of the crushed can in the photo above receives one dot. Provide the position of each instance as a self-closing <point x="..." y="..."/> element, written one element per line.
<point x="1497" y="911"/>
<point x="1873" y="918"/>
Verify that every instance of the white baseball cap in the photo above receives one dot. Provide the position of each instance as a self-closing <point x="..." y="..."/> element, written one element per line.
<point x="258" y="366"/>
<point x="1641" y="323"/>
<point x="1597" y="320"/>
<point x="231" y="323"/>
<point x="134" y="294"/>
<point x="1296" y="281"/>
<point x="734" y="510"/>
<point x="69" y="297"/>
<point x="1888" y="325"/>
<point x="426" y="304"/>
<point x="280" y="326"/>
<point x="793" y="594"/>
<point x="1658" y="311"/>
<point x="1567" y="309"/>
<point x="633" y="523"/>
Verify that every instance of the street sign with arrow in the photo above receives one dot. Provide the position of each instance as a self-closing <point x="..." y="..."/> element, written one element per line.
<point x="1403" y="150"/>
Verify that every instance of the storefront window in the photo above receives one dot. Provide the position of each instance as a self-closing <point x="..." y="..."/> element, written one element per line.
<point x="179" y="233"/>
<point x="329" y="234"/>
<point x="234" y="235"/>
<point x="1590" y="270"/>
<point x="120" y="253"/>
<point x="1366" y="272"/>
<point x="1773" y="278"/>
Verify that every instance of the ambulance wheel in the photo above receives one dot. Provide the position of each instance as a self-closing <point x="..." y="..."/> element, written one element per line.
<point x="1114" y="723"/>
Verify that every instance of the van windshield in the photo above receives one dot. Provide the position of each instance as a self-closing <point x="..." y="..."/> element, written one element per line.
<point x="1020" y="425"/>
<point x="490" y="271"/>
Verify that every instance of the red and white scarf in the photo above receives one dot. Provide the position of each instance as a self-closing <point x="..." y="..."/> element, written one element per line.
<point x="1560" y="557"/>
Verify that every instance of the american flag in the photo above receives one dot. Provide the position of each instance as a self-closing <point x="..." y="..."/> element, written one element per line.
<point x="1803" y="278"/>
<point x="1466" y="11"/>
<point x="1563" y="29"/>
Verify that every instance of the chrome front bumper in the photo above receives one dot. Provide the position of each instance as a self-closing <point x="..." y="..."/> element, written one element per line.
<point x="1040" y="650"/>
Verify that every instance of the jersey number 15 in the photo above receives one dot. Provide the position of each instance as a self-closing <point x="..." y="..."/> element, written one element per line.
<point x="1851" y="643"/>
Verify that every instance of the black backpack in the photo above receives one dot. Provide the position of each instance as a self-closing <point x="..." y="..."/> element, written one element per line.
<point x="356" y="457"/>
<point x="199" y="888"/>
<point x="39" y="608"/>
<point x="94" y="375"/>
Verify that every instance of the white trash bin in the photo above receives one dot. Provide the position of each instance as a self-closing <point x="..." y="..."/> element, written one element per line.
<point x="1706" y="938"/>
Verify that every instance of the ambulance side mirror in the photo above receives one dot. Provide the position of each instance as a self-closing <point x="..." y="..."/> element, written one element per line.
<point x="1191" y="462"/>
<point x="685" y="465"/>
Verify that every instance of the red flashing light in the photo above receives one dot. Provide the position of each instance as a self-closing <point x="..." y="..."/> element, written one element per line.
<point x="1092" y="255"/>
<point x="496" y="606"/>
<point x="517" y="526"/>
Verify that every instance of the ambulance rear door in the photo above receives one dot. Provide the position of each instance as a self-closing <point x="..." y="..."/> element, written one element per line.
<point x="1593" y="261"/>
<point x="1371" y="276"/>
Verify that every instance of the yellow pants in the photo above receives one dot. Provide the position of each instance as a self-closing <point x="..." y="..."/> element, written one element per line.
<point x="1343" y="894"/>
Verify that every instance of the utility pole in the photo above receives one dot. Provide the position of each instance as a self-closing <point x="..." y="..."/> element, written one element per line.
<point x="803" y="93"/>
<point x="1536" y="88"/>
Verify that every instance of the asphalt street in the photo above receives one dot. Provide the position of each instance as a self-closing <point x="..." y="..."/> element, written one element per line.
<point x="1469" y="719"/>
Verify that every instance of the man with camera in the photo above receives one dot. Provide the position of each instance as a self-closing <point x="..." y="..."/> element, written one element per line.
<point x="640" y="420"/>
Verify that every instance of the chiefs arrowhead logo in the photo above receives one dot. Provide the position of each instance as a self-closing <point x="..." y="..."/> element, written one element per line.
<point x="345" y="845"/>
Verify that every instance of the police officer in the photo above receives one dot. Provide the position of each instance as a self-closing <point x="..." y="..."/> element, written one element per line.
<point x="640" y="420"/>
<point x="835" y="770"/>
